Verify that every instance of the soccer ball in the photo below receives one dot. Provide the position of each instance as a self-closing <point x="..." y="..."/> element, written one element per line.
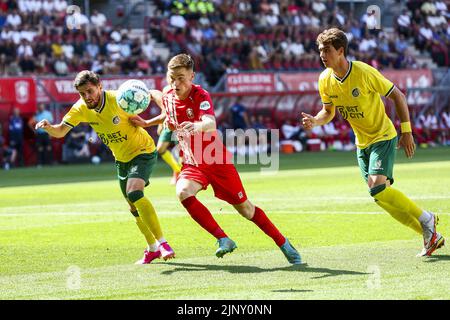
<point x="133" y="97"/>
<point x="96" y="160"/>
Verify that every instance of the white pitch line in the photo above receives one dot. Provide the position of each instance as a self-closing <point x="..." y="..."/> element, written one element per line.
<point x="179" y="213"/>
<point x="317" y="199"/>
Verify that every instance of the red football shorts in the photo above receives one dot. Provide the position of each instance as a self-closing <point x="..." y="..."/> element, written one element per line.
<point x="223" y="178"/>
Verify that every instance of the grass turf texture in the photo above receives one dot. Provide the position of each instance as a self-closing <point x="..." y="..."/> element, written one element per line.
<point x="65" y="233"/>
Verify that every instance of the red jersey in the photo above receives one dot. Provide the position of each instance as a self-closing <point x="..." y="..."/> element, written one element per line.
<point x="203" y="148"/>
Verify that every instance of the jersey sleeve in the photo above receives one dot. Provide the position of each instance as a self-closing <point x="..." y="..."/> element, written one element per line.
<point x="74" y="116"/>
<point x="205" y="104"/>
<point x="324" y="95"/>
<point x="377" y="82"/>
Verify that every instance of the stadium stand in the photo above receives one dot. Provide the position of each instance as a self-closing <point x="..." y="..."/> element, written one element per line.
<point x="42" y="38"/>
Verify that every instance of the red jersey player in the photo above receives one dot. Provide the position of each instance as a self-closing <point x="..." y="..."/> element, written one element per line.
<point x="189" y="112"/>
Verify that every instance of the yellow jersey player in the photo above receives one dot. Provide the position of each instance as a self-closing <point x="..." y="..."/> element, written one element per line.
<point x="133" y="149"/>
<point x="355" y="90"/>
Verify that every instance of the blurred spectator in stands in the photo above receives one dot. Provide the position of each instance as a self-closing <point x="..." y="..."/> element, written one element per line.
<point x="445" y="126"/>
<point x="6" y="153"/>
<point x="24" y="49"/>
<point x="257" y="123"/>
<point x="403" y="23"/>
<point x="238" y="115"/>
<point x="13" y="19"/>
<point x="16" y="130"/>
<point x="318" y="7"/>
<point x="43" y="142"/>
<point x="27" y="65"/>
<point x="60" y="5"/>
<point x="92" y="47"/>
<point x="427" y="126"/>
<point x="76" y="147"/>
<point x="428" y="8"/>
<point x="99" y="22"/>
<point x="60" y="66"/>
<point x="294" y="134"/>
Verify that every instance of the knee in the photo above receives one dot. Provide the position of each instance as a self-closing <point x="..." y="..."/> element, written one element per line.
<point x="247" y="210"/>
<point x="134" y="196"/>
<point x="375" y="190"/>
<point x="184" y="193"/>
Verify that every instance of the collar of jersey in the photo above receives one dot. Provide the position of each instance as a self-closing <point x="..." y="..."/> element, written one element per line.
<point x="346" y="75"/>
<point x="100" y="108"/>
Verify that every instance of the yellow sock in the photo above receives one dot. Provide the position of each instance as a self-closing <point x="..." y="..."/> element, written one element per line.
<point x="398" y="215"/>
<point x="145" y="231"/>
<point x="148" y="215"/>
<point x="399" y="206"/>
<point x="170" y="160"/>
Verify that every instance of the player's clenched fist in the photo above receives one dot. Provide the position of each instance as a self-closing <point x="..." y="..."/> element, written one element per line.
<point x="43" y="124"/>
<point x="308" y="121"/>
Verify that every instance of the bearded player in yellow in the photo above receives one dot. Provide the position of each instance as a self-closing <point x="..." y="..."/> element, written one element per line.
<point x="132" y="147"/>
<point x="355" y="89"/>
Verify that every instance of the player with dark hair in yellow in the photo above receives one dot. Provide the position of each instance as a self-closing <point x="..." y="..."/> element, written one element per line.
<point x="355" y="89"/>
<point x="132" y="147"/>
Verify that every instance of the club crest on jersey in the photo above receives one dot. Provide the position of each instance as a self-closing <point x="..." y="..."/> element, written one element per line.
<point x="205" y="105"/>
<point x="190" y="113"/>
<point x="355" y="92"/>
<point x="116" y="120"/>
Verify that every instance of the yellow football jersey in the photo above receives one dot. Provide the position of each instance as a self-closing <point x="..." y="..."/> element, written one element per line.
<point x="112" y="126"/>
<point x="357" y="96"/>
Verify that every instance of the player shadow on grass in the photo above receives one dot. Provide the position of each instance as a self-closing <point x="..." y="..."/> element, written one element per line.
<point x="443" y="257"/>
<point x="251" y="269"/>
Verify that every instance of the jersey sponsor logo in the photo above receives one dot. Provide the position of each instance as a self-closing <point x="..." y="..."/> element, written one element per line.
<point x="355" y="92"/>
<point x="377" y="165"/>
<point x="350" y="112"/>
<point x="93" y="123"/>
<point x="333" y="97"/>
<point x="113" y="137"/>
<point x="116" y="120"/>
<point x="190" y="113"/>
<point x="205" y="105"/>
<point x="134" y="169"/>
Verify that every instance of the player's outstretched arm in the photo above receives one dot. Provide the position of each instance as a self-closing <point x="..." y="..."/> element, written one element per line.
<point x="401" y="107"/>
<point x="207" y="124"/>
<point x="140" y="122"/>
<point x="156" y="96"/>
<point x="57" y="130"/>
<point x="322" y="117"/>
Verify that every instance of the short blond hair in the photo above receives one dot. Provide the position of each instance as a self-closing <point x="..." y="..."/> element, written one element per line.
<point x="335" y="37"/>
<point x="181" y="61"/>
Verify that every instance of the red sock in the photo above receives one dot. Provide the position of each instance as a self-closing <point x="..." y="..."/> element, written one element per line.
<point x="202" y="216"/>
<point x="263" y="222"/>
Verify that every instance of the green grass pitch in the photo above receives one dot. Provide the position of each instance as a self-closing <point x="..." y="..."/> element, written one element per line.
<point x="66" y="233"/>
